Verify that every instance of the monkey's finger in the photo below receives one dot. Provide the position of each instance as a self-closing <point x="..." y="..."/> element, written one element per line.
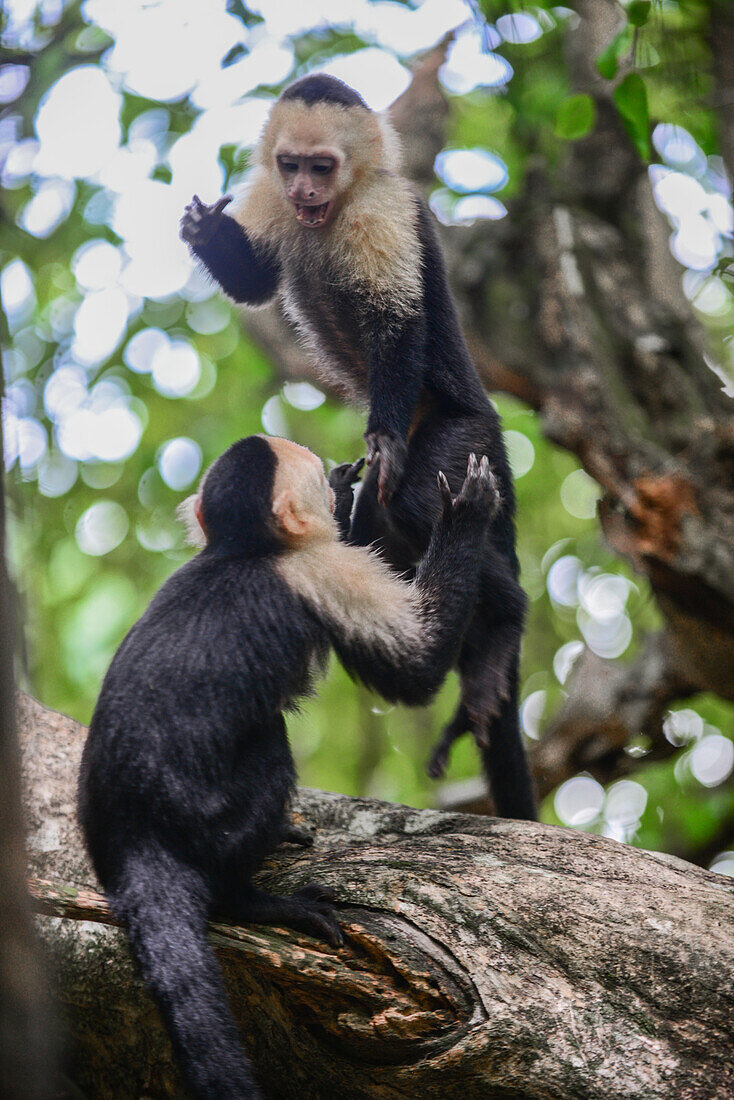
<point x="197" y="200"/>
<point x="444" y="489"/>
<point x="481" y="738"/>
<point x="384" y="489"/>
<point x="472" y="466"/>
<point x="371" y="449"/>
<point x="220" y="204"/>
<point x="356" y="467"/>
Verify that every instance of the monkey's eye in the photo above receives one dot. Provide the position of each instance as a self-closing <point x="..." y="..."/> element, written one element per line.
<point x="287" y="165"/>
<point x="322" y="167"/>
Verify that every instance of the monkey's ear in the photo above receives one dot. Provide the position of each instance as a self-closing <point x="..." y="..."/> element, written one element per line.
<point x="189" y="513"/>
<point x="290" y="515"/>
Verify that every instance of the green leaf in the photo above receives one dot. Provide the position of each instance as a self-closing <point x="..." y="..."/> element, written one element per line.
<point x="638" y="12"/>
<point x="576" y="116"/>
<point x="607" y="62"/>
<point x="630" y="97"/>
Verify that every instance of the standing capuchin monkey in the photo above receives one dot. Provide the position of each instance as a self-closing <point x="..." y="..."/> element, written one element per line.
<point x="187" y="774"/>
<point x="329" y="227"/>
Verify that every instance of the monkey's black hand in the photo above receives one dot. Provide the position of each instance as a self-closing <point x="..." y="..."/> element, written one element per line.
<point x="341" y="480"/>
<point x="343" y="477"/>
<point x="200" y="222"/>
<point x="392" y="451"/>
<point x="479" y="493"/>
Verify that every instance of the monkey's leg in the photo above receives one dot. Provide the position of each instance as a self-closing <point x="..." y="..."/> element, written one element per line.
<point x="457" y="727"/>
<point x="488" y="669"/>
<point x="504" y="757"/>
<point x="309" y="910"/>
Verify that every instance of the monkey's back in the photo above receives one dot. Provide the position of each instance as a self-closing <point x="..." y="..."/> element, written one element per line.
<point x="188" y="725"/>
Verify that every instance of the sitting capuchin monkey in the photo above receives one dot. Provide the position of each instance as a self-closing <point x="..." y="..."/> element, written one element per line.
<point x="328" y="227"/>
<point x="187" y="775"/>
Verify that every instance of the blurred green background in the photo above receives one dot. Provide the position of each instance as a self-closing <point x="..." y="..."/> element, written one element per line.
<point x="126" y="373"/>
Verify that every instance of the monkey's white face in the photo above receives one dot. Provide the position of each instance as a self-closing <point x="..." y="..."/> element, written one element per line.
<point x="311" y="173"/>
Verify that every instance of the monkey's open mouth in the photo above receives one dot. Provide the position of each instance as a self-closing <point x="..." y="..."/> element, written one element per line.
<point x="312" y="215"/>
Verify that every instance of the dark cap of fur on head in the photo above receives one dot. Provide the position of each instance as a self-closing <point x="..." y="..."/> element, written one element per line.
<point x="237" y="499"/>
<point x="321" y="88"/>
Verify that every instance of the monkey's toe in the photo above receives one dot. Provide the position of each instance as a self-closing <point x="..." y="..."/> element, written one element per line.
<point x="319" y="920"/>
<point x="437" y="762"/>
<point x="294" y="834"/>
<point x="315" y="891"/>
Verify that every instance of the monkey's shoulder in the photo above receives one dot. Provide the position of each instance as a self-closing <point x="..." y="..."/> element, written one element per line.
<point x="215" y="613"/>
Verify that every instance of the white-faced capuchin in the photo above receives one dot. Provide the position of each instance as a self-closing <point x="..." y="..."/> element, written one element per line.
<point x="187" y="774"/>
<point x="328" y="225"/>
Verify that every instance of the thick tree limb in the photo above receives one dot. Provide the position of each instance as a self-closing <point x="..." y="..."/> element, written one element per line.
<point x="483" y="958"/>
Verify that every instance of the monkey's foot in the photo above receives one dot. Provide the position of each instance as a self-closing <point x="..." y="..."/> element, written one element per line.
<point x="200" y="222"/>
<point x="479" y="491"/>
<point x="294" y="834"/>
<point x="392" y="451"/>
<point x="474" y="714"/>
<point x="309" y="910"/>
<point x="457" y="727"/>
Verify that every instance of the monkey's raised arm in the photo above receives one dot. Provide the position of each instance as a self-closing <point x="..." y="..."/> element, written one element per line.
<point x="408" y="646"/>
<point x="246" y="271"/>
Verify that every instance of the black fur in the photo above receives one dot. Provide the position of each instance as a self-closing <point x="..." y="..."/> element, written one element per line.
<point x="187" y="774"/>
<point x="427" y="411"/>
<point x="321" y="88"/>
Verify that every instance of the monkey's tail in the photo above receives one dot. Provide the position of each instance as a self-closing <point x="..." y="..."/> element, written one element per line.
<point x="164" y="905"/>
<point x="504" y="758"/>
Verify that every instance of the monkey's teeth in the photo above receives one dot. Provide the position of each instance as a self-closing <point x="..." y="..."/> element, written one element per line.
<point x="311" y="215"/>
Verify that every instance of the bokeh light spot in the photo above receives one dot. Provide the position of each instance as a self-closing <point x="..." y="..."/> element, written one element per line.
<point x="302" y="395"/>
<point x="179" y="462"/>
<point x="712" y="759"/>
<point x="579" y="494"/>
<point x="520" y="452"/>
<point x="578" y="801"/>
<point x="101" y="528"/>
<point x="562" y="580"/>
<point x="471" y="170"/>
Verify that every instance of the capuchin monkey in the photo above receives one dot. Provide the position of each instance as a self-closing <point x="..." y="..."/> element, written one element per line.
<point x="329" y="227"/>
<point x="187" y="775"/>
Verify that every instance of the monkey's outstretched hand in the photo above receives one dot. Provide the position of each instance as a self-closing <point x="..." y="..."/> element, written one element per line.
<point x="479" y="491"/>
<point x="341" y="480"/>
<point x="200" y="222"/>
<point x="344" y="476"/>
<point x="392" y="451"/>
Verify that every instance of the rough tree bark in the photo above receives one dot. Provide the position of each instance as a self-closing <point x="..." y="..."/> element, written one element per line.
<point x="573" y="304"/>
<point x="484" y="958"/>
<point x="26" y="1030"/>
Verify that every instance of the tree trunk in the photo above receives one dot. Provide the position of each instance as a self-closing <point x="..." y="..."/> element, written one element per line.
<point x="26" y="1033"/>
<point x="484" y="958"/>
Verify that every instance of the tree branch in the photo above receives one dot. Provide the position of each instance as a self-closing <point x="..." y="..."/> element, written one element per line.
<point x="483" y="958"/>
